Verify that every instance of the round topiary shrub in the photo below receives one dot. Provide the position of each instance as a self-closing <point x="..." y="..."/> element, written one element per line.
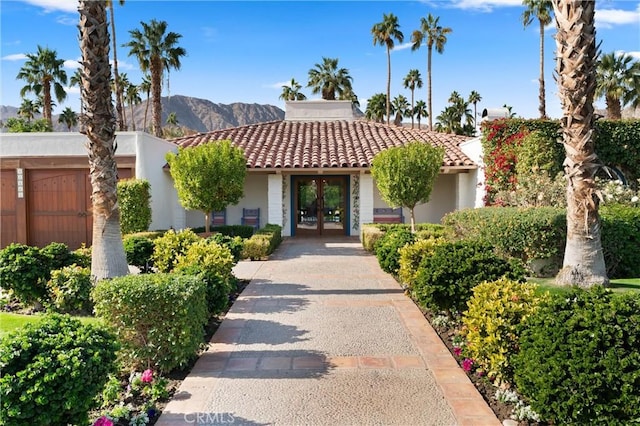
<point x="139" y="251"/>
<point x="70" y="290"/>
<point x="444" y="280"/>
<point x="167" y="248"/>
<point x="388" y="246"/>
<point x="51" y="372"/>
<point x="24" y="270"/>
<point x="579" y="359"/>
<point x="492" y="323"/>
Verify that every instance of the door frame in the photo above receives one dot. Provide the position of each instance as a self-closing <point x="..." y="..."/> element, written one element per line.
<point x="347" y="199"/>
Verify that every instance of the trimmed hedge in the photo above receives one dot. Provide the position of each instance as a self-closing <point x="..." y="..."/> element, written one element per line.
<point x="159" y="318"/>
<point x="388" y="246"/>
<point x="134" y="199"/>
<point x="262" y="243"/>
<point x="621" y="240"/>
<point x="579" y="358"/>
<point x="24" y="270"/>
<point x="52" y="371"/>
<point x="169" y="246"/>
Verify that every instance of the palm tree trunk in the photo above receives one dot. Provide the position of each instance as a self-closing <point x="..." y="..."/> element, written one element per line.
<point x="542" y="108"/>
<point x="98" y="123"/>
<point x="46" y="101"/>
<point x="388" y="85"/>
<point x="116" y="77"/>
<point x="412" y="113"/>
<point x="146" y="112"/>
<point x="429" y="106"/>
<point x="133" y="123"/>
<point x="614" y="110"/>
<point x="576" y="51"/>
<point x="156" y="92"/>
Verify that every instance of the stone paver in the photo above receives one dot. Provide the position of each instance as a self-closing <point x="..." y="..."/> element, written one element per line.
<point x="322" y="336"/>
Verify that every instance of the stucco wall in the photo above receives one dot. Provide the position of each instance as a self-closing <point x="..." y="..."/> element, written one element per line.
<point x="472" y="190"/>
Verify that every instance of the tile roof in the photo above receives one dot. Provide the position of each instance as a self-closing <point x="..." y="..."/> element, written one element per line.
<point x="329" y="144"/>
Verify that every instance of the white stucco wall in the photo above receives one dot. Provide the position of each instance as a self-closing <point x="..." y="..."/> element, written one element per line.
<point x="286" y="206"/>
<point x="471" y="187"/>
<point x="274" y="199"/>
<point x="367" y="198"/>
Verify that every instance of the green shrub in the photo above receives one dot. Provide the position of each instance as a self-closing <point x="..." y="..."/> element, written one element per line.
<point x="256" y="247"/>
<point x="52" y="371"/>
<point x="426" y="231"/>
<point x="492" y="323"/>
<point x="139" y="251"/>
<point x="525" y="233"/>
<point x="59" y="255"/>
<point x="214" y="263"/>
<point x="70" y="290"/>
<point x="152" y="235"/>
<point x="134" y="199"/>
<point x="82" y="256"/>
<point x="411" y="256"/>
<point x="242" y="231"/>
<point x="621" y="240"/>
<point x="234" y="244"/>
<point x="579" y="358"/>
<point x="159" y="318"/>
<point x="168" y="247"/>
<point x="445" y="279"/>
<point x="370" y="234"/>
<point x="24" y="270"/>
<point x="275" y="235"/>
<point x="388" y="245"/>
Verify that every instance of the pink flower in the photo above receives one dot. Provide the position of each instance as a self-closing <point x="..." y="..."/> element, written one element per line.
<point x="147" y="376"/>
<point x="467" y="364"/>
<point x="103" y="421"/>
<point x="457" y="351"/>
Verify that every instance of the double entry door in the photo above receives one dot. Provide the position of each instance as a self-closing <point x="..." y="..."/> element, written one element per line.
<point x="320" y="205"/>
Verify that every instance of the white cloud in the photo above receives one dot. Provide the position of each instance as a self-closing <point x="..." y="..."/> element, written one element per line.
<point x="67" y="20"/>
<point x="73" y="89"/>
<point x="53" y="5"/>
<point x="635" y="55"/>
<point x="277" y="85"/>
<point x="123" y="65"/>
<point x="15" y="57"/>
<point x="607" y="18"/>
<point x="485" y="5"/>
<point x="402" y="46"/>
<point x="72" y="64"/>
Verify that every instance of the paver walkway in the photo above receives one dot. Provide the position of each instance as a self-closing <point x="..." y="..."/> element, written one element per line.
<point x="321" y="336"/>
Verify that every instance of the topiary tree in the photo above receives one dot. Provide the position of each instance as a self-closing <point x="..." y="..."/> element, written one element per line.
<point x="134" y="197"/>
<point x="208" y="177"/>
<point x="405" y="175"/>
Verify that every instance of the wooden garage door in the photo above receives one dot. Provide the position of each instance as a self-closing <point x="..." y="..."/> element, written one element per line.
<point x="59" y="206"/>
<point x="8" y="198"/>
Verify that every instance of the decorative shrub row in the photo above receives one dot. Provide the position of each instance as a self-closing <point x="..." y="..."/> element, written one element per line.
<point x="158" y="318"/>
<point x="242" y="231"/>
<point x="51" y="371"/>
<point x="387" y="248"/>
<point x="540" y="233"/>
<point x="445" y="278"/>
<point x="412" y="255"/>
<point x="579" y="358"/>
<point x="25" y="270"/>
<point x="263" y="242"/>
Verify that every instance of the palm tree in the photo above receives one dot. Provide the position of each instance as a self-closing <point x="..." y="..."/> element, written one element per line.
<point x="376" y="107"/>
<point x="132" y="97"/>
<point x="28" y="109"/>
<point x="145" y="87"/>
<point x="326" y="78"/>
<point x="68" y="117"/>
<point x="99" y="124"/>
<point x="576" y="51"/>
<point x="401" y="108"/>
<point x="76" y="80"/>
<point x="291" y="92"/>
<point x="156" y="52"/>
<point x="118" y="88"/>
<point x="542" y="11"/>
<point x="348" y="95"/>
<point x="448" y="120"/>
<point x="420" y="110"/>
<point x="433" y="34"/>
<point x="474" y="98"/>
<point x="172" y="119"/>
<point x="43" y="71"/>
<point x="618" y="81"/>
<point x="385" y="33"/>
<point x="121" y="83"/>
<point x="412" y="81"/>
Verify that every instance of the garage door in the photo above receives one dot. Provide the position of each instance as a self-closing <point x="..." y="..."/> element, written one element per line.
<point x="59" y="206"/>
<point x="8" y="198"/>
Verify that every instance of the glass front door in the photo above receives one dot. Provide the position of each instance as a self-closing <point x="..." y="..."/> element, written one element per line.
<point x="320" y="205"/>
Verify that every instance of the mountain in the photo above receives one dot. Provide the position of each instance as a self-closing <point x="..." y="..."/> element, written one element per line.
<point x="199" y="115"/>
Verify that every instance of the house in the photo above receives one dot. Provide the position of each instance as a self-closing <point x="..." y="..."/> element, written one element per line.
<point x="309" y="173"/>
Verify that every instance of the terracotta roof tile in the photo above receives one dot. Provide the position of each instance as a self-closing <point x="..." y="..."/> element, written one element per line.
<point x="325" y="144"/>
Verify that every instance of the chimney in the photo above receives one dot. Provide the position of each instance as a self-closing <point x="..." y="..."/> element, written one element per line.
<point x="319" y="110"/>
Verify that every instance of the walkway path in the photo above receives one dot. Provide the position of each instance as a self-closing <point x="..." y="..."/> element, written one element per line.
<point x="321" y="336"/>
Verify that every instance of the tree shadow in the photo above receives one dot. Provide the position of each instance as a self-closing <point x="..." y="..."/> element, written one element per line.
<point x="255" y="331"/>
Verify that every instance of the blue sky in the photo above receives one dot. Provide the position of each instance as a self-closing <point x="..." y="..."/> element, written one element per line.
<point x="241" y="51"/>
